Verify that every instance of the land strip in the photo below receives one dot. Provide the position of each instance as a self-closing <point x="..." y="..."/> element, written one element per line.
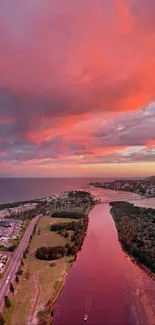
<point x="42" y="280"/>
<point x="136" y="229"/>
<point x="9" y="275"/>
<point x="141" y="186"/>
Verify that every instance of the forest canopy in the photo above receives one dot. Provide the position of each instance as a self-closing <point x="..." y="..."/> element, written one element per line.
<point x="136" y="231"/>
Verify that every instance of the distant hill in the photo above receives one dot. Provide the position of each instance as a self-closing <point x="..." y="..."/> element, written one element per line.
<point x="151" y="178"/>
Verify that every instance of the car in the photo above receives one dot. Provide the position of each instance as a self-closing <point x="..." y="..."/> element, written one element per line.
<point x="7" y="280"/>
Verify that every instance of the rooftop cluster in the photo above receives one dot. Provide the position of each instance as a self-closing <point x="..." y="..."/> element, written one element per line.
<point x="142" y="186"/>
<point x="9" y="229"/>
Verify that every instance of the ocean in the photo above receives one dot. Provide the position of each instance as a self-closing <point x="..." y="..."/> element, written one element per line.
<point x="20" y="189"/>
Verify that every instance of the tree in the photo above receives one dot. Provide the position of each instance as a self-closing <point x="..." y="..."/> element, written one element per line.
<point x="22" y="262"/>
<point x="20" y="271"/>
<point x="17" y="279"/>
<point x="24" y="254"/>
<point x="12" y="288"/>
<point x="7" y="301"/>
<point x="42" y="321"/>
<point x="27" y="250"/>
<point x="2" y="321"/>
<point x="66" y="235"/>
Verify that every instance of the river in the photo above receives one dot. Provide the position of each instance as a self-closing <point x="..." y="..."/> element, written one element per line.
<point x="103" y="282"/>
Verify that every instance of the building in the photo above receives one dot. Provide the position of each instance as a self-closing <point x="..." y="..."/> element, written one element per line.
<point x="3" y="261"/>
<point x="5" y="223"/>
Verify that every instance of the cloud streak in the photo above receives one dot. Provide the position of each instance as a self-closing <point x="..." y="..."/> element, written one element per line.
<point x="77" y="82"/>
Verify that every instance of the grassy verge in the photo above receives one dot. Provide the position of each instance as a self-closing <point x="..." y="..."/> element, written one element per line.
<point x="50" y="277"/>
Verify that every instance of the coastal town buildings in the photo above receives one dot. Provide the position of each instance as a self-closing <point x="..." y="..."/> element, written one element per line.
<point x="3" y="261"/>
<point x="18" y="209"/>
<point x="9" y="229"/>
<point x="141" y="186"/>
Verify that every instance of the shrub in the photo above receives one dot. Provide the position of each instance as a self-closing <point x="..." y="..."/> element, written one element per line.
<point x="50" y="253"/>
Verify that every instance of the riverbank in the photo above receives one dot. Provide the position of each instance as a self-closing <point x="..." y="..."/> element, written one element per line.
<point x="136" y="262"/>
<point x="136" y="227"/>
<point x="121" y="292"/>
<point x="42" y="280"/>
<point x="141" y="266"/>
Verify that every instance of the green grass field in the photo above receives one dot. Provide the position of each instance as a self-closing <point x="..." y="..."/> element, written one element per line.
<point x="50" y="278"/>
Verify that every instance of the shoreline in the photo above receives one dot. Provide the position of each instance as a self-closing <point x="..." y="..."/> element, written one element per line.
<point x="132" y="258"/>
<point x="62" y="285"/>
<point x="144" y="268"/>
<point x="122" y="190"/>
<point x="136" y="262"/>
<point x="53" y="300"/>
<point x="66" y="273"/>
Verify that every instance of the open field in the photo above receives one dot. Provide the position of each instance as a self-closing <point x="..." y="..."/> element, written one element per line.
<point x="21" y="302"/>
<point x="48" y="237"/>
<point x="49" y="278"/>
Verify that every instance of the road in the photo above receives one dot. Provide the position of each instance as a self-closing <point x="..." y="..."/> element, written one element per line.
<point x="9" y="275"/>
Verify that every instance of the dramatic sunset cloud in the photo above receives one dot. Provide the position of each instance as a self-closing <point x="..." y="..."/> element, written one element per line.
<point x="77" y="87"/>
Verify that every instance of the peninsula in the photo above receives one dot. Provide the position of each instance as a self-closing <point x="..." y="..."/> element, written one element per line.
<point x="144" y="187"/>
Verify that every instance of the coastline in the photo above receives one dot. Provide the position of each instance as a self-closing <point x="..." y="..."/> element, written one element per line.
<point x="112" y="187"/>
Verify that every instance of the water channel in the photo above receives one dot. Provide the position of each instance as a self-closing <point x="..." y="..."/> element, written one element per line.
<point x="103" y="282"/>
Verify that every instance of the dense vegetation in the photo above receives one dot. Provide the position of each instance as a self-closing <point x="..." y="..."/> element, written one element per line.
<point x="84" y="196"/>
<point x="68" y="214"/>
<point x="136" y="231"/>
<point x="140" y="186"/>
<point x="79" y="228"/>
<point x="50" y="253"/>
<point x="73" y="225"/>
<point x="74" y="198"/>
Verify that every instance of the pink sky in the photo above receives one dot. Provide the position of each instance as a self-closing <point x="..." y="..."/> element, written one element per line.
<point x="77" y="88"/>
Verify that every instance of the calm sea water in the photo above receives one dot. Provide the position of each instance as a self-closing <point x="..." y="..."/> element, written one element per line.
<point x="18" y="189"/>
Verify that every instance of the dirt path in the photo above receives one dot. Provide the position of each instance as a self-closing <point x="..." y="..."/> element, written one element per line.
<point x="36" y="298"/>
<point x="42" y="238"/>
<point x="37" y="293"/>
<point x="32" y="318"/>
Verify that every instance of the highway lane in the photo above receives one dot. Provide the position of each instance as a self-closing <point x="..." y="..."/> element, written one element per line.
<point x="9" y="275"/>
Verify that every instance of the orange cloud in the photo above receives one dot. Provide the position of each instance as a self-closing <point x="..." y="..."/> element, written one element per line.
<point x="75" y="79"/>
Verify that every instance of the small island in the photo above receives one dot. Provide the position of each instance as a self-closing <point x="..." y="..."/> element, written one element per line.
<point x="136" y="231"/>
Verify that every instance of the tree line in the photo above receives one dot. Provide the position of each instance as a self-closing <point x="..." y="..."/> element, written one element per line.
<point x="136" y="229"/>
<point x="50" y="253"/>
<point x="68" y="214"/>
<point x="79" y="228"/>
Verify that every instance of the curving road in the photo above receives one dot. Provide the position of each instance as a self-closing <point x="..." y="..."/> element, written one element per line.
<point x="9" y="275"/>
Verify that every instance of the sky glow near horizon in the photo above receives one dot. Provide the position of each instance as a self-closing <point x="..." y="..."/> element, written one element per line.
<point x="77" y="88"/>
